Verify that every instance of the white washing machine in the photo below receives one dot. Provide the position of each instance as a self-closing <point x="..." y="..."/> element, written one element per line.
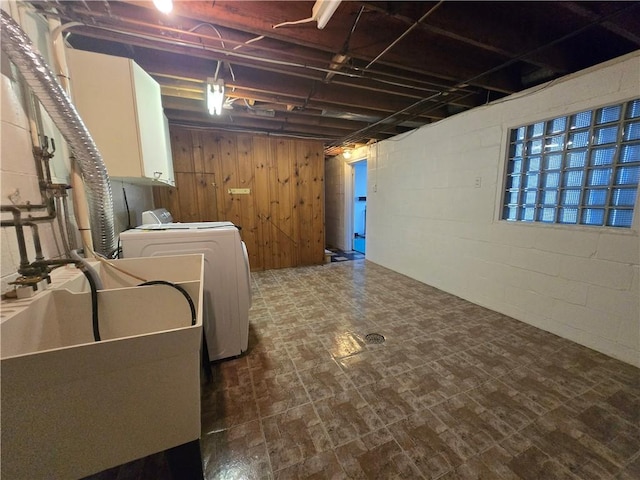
<point x="227" y="279"/>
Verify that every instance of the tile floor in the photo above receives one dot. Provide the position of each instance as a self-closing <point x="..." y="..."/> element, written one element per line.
<point x="342" y="256"/>
<point x="455" y="392"/>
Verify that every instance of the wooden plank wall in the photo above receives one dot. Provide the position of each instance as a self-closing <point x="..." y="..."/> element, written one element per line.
<point x="282" y="219"/>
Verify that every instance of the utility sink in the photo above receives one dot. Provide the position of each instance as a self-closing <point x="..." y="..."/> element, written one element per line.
<point x="71" y="406"/>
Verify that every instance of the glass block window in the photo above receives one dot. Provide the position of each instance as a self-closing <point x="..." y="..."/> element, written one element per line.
<point x="580" y="169"/>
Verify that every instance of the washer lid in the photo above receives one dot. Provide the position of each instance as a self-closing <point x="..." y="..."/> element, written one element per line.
<point x="185" y="226"/>
<point x="159" y="215"/>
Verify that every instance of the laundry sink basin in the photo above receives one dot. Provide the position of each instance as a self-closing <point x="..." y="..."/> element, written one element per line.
<point x="73" y="406"/>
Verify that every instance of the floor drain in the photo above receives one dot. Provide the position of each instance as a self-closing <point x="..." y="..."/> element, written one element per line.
<point x="374" y="338"/>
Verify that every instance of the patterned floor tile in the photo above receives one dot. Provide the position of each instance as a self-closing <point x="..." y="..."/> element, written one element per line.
<point x="429" y="386"/>
<point x="361" y="368"/>
<point x="346" y="416"/>
<point x="223" y="408"/>
<point x="461" y="372"/>
<point x="578" y="453"/>
<point x="518" y="459"/>
<point x="239" y="452"/>
<point x="323" y="466"/>
<point x="390" y="400"/>
<point x="395" y="358"/>
<point x="515" y="349"/>
<point x="308" y="354"/>
<point x="457" y="339"/>
<point x="231" y="373"/>
<point x="431" y="347"/>
<point x="476" y="426"/>
<point x="631" y="471"/>
<point x="473" y="469"/>
<point x="489" y="359"/>
<point x="400" y="331"/>
<point x="505" y="403"/>
<point x="376" y="456"/>
<point x="325" y="380"/>
<point x="294" y="436"/>
<point x="432" y="447"/>
<point x="272" y="360"/>
<point x="537" y="389"/>
<point x="287" y="336"/>
<point x="279" y="393"/>
<point x="342" y="344"/>
<point x="617" y="438"/>
<point x="559" y="379"/>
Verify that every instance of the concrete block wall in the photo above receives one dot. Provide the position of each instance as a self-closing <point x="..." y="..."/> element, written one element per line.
<point x="435" y="216"/>
<point x="18" y="168"/>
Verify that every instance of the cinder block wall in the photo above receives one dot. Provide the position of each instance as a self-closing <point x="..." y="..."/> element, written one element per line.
<point x="435" y="216"/>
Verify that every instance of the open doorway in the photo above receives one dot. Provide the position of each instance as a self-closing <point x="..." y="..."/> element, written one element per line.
<point x="359" y="199"/>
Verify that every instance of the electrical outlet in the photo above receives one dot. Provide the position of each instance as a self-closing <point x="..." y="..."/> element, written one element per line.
<point x="478" y="182"/>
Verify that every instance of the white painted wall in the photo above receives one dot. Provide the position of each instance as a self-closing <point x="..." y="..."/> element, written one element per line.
<point x="334" y="201"/>
<point x="17" y="166"/>
<point x="426" y="219"/>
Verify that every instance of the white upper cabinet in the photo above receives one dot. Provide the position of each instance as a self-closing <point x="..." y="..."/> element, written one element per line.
<point x="121" y="106"/>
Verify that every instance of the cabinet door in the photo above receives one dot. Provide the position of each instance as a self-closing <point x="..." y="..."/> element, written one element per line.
<point x="171" y="179"/>
<point x="103" y="96"/>
<point x="151" y="125"/>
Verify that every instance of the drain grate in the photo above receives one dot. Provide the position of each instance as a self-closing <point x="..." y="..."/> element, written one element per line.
<point x="374" y="338"/>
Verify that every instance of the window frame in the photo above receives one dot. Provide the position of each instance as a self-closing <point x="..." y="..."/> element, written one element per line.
<point x="508" y="142"/>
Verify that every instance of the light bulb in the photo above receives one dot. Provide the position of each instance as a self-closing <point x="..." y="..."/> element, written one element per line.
<point x="165" y="6"/>
<point x="215" y="97"/>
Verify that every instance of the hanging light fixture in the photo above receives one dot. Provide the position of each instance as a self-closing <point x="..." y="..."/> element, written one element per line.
<point x="323" y="10"/>
<point x="215" y="96"/>
<point x="165" y="6"/>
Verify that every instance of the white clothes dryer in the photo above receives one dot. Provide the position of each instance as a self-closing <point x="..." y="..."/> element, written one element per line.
<point x="227" y="277"/>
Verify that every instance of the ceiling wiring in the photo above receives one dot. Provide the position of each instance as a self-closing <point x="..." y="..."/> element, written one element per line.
<point x="367" y="131"/>
<point x="193" y="29"/>
<point x="382" y="69"/>
<point x="405" y="33"/>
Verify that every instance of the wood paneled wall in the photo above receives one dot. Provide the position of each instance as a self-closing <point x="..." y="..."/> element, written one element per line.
<point x="282" y="218"/>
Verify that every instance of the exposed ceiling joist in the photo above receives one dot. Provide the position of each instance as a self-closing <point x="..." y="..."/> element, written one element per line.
<point x="375" y="70"/>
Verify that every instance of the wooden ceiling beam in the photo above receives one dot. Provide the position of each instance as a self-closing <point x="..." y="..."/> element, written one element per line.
<point x="291" y="118"/>
<point x="313" y="108"/>
<point x="252" y="124"/>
